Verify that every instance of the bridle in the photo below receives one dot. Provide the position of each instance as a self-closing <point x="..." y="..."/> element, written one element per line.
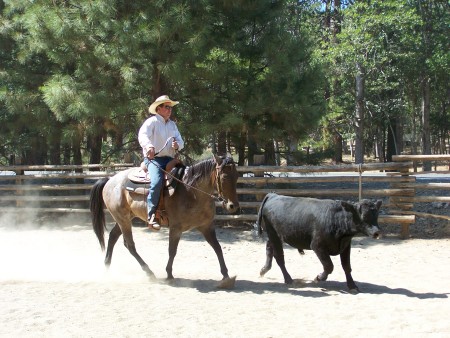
<point x="218" y="171"/>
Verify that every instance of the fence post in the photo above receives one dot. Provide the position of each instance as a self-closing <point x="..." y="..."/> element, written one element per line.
<point x="259" y="160"/>
<point x="19" y="191"/>
<point x="399" y="202"/>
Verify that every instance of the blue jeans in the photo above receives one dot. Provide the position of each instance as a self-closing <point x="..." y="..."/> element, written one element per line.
<point x="156" y="181"/>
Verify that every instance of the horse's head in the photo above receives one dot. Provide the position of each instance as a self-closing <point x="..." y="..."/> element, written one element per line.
<point x="226" y="180"/>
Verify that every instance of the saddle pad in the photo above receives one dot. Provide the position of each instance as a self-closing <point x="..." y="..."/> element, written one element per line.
<point x="138" y="188"/>
<point x="137" y="175"/>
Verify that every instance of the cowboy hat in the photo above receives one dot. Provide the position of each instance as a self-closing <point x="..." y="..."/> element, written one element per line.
<point x="160" y="100"/>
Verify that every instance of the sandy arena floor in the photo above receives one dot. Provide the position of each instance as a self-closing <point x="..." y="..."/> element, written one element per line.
<point x="54" y="284"/>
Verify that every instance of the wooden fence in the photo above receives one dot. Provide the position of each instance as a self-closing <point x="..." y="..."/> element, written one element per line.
<point x="65" y="189"/>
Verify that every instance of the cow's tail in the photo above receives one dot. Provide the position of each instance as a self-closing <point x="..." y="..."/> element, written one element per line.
<point x="97" y="213"/>
<point x="258" y="226"/>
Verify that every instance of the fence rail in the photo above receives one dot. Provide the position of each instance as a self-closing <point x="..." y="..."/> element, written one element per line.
<point x="65" y="189"/>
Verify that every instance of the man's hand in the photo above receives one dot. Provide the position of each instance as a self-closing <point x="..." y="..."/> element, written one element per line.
<point x="151" y="153"/>
<point x="174" y="144"/>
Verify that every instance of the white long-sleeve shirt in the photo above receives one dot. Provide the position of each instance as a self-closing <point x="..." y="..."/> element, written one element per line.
<point x="156" y="132"/>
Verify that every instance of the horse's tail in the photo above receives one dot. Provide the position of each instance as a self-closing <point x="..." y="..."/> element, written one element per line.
<point x="97" y="213"/>
<point x="259" y="218"/>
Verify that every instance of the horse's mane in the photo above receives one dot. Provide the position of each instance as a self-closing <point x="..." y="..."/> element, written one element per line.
<point x="198" y="171"/>
<point x="202" y="169"/>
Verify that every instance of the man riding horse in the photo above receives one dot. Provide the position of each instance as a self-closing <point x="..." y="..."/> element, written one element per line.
<point x="154" y="137"/>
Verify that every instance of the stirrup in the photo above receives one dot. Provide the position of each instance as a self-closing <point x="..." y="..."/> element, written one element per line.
<point x="152" y="224"/>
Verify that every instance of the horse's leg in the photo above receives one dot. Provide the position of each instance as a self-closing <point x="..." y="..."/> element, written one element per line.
<point x="174" y="239"/>
<point x="211" y="238"/>
<point x="129" y="244"/>
<point x="113" y="237"/>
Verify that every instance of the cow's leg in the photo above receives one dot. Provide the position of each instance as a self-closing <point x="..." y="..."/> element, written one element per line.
<point x="345" y="262"/>
<point x="278" y="253"/>
<point x="326" y="263"/>
<point x="269" y="257"/>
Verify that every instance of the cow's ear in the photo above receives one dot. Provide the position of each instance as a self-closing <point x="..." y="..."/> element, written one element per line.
<point x="348" y="206"/>
<point x="378" y="204"/>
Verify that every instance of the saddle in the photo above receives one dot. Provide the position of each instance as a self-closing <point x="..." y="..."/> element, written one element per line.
<point x="138" y="183"/>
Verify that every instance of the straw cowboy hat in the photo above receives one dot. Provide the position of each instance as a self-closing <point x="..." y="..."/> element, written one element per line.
<point x="160" y="100"/>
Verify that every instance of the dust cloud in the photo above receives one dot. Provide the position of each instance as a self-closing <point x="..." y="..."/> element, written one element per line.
<point x="63" y="249"/>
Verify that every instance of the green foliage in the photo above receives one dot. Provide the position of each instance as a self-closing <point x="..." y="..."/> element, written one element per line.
<point x="251" y="70"/>
<point x="386" y="38"/>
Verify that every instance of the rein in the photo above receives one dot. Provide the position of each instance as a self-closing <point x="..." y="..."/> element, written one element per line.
<point x="218" y="170"/>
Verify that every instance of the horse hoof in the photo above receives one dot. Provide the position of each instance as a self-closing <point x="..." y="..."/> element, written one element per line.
<point x="263" y="271"/>
<point x="151" y="276"/>
<point x="227" y="283"/>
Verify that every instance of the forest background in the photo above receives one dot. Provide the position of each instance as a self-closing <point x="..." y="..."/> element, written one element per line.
<point x="293" y="81"/>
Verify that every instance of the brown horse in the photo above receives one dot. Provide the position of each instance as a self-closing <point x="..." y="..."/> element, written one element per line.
<point x="192" y="206"/>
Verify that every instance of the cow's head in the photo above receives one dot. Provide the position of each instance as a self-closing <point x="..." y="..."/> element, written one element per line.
<point x="365" y="216"/>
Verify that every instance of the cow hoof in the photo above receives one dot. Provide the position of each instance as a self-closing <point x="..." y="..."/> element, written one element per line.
<point x="170" y="281"/>
<point x="227" y="283"/>
<point x="320" y="278"/>
<point x="354" y="291"/>
<point x="263" y="271"/>
<point x="288" y="281"/>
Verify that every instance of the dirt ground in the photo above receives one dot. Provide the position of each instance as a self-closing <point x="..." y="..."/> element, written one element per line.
<point x="53" y="284"/>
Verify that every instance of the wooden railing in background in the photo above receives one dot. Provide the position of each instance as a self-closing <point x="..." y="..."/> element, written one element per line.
<point x="50" y="188"/>
<point x="64" y="189"/>
<point x="430" y="192"/>
<point x="347" y="182"/>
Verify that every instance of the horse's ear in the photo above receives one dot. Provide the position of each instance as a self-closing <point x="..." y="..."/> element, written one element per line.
<point x="218" y="159"/>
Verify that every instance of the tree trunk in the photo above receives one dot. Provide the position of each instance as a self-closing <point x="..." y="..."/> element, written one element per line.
<point x="76" y="149"/>
<point x="336" y="20"/>
<point x="426" y="143"/>
<point x="399" y="137"/>
<point x="277" y="153"/>
<point x="37" y="153"/>
<point x="292" y="150"/>
<point x="337" y="140"/>
<point x="269" y="153"/>
<point x="222" y="142"/>
<point x="159" y="84"/>
<point x="55" y="144"/>
<point x="77" y="157"/>
<point x="214" y="143"/>
<point x="66" y="154"/>
<point x="359" y="139"/>
<point x="379" y="145"/>
<point x="252" y="149"/>
<point x="95" y="148"/>
<point x="241" y="148"/>
<point x="391" y="148"/>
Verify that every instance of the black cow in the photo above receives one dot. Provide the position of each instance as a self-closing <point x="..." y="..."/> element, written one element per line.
<point x="324" y="226"/>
